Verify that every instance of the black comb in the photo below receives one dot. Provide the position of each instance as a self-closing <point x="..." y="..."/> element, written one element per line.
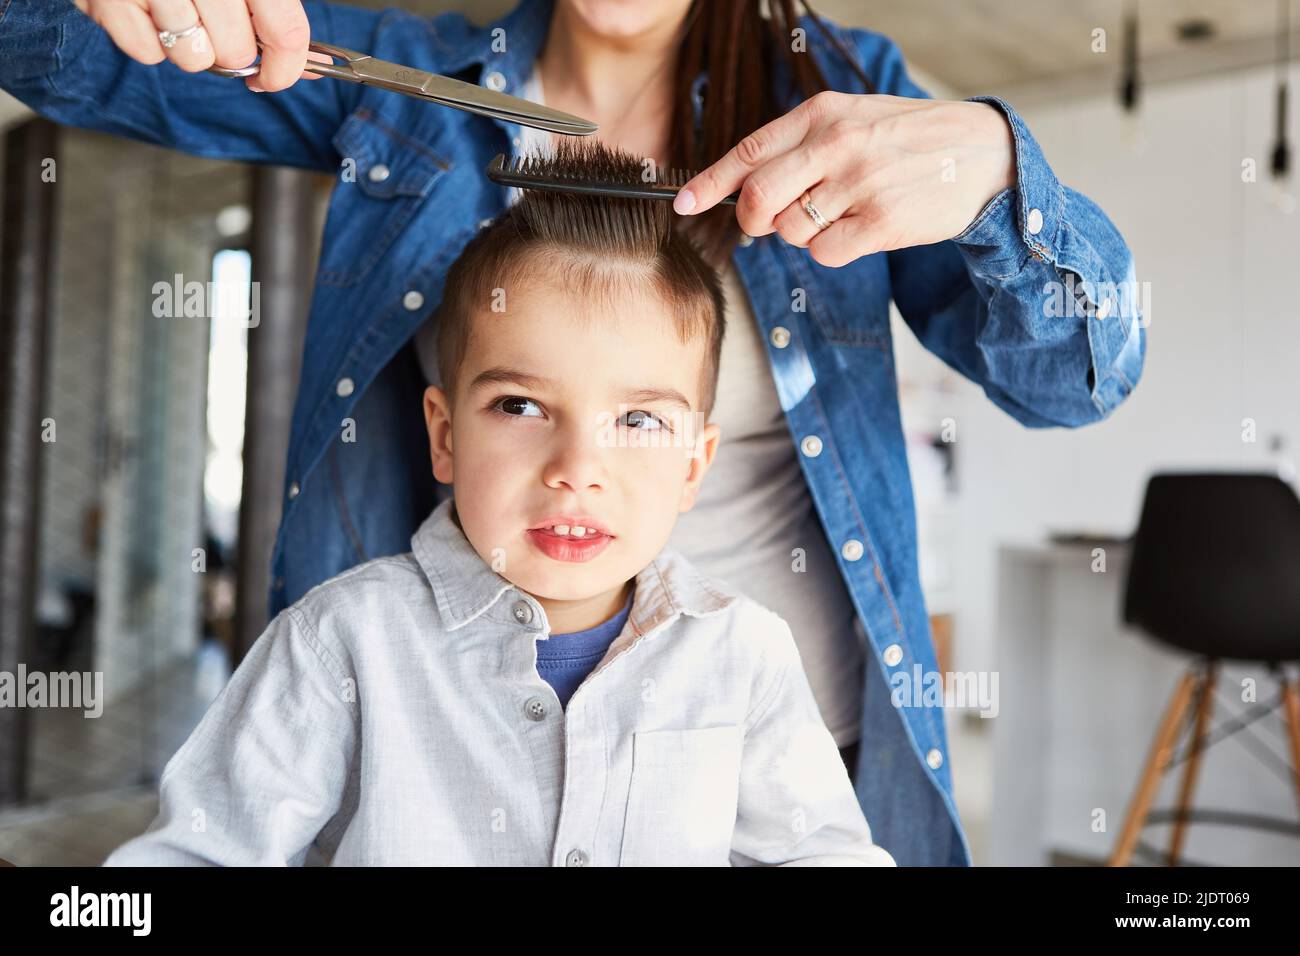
<point x="523" y="172"/>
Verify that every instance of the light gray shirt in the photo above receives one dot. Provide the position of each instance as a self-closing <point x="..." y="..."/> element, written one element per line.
<point x="395" y="715"/>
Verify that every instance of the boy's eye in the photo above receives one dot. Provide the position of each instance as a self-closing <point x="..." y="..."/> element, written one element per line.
<point x="509" y="404"/>
<point x="645" y="421"/>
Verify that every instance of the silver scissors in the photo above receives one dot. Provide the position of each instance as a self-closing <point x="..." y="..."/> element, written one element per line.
<point x="364" y="68"/>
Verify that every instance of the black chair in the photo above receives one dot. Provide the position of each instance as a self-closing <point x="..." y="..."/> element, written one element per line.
<point x="1214" y="571"/>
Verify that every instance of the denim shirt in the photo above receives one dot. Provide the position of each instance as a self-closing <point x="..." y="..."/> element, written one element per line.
<point x="411" y="192"/>
<point x="394" y="715"/>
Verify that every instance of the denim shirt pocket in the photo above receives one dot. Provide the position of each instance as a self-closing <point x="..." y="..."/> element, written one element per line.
<point x="384" y="177"/>
<point x="848" y="304"/>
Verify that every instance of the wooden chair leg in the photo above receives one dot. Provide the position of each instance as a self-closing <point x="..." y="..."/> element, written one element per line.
<point x="1204" y="705"/>
<point x="1291" y="707"/>
<point x="1161" y="751"/>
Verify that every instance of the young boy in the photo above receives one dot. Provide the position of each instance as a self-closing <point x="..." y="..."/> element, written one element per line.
<point x="542" y="680"/>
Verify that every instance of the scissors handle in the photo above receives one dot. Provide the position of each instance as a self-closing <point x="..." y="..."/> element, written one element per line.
<point x="313" y="66"/>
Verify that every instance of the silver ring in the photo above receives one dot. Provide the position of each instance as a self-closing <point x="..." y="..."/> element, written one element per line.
<point x="168" y="38"/>
<point x="806" y="201"/>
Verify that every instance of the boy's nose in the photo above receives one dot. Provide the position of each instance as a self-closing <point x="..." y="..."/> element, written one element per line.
<point x="577" y="461"/>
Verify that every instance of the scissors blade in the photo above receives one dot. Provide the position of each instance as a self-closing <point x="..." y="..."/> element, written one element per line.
<point x="466" y="96"/>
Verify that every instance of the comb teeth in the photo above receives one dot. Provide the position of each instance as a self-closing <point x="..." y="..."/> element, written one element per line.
<point x="595" y="178"/>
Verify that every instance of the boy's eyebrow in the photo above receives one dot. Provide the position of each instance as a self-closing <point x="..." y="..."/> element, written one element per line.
<point x="503" y="374"/>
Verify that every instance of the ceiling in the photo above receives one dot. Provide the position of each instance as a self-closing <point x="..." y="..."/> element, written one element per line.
<point x="964" y="47"/>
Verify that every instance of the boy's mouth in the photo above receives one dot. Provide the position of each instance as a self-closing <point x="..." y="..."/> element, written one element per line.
<point x="574" y="538"/>
<point x="573" y="527"/>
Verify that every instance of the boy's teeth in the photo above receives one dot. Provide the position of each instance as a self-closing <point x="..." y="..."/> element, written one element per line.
<point x="565" y="531"/>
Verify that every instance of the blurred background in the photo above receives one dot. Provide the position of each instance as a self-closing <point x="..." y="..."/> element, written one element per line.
<point x="142" y="531"/>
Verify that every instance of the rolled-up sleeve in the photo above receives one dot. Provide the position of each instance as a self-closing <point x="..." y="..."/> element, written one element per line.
<point x="1037" y="300"/>
<point x="796" y="804"/>
<point x="266" y="769"/>
<point x="63" y="65"/>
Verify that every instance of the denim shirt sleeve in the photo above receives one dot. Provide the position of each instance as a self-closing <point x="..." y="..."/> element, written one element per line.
<point x="264" y="772"/>
<point x="64" y="66"/>
<point x="1045" y="315"/>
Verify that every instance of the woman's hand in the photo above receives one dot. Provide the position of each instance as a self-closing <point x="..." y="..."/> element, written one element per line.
<point x="225" y="36"/>
<point x="888" y="172"/>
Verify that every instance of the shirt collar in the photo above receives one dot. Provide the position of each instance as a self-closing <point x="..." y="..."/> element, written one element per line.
<point x="522" y="32"/>
<point x="465" y="586"/>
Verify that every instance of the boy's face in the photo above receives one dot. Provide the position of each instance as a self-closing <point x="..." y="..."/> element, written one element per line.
<point x="548" y="422"/>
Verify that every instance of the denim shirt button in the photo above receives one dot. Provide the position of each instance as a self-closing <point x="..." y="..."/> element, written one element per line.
<point x="345" y="387"/>
<point x="852" y="549"/>
<point x="484" y="223"/>
<point x="1035" y="222"/>
<point x="811" y="446"/>
<point x="495" y="81"/>
<point x="378" y="173"/>
<point x="293" y="491"/>
<point x="780" y="336"/>
<point x="535" y="708"/>
<point x="575" y="857"/>
<point x="934" y="759"/>
<point x="746" y="240"/>
<point x="893" y="654"/>
<point x="413" y="300"/>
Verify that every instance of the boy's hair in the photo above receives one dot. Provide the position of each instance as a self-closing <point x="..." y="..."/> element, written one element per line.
<point x="591" y="246"/>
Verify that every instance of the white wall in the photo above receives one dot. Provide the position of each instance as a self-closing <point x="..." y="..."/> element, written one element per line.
<point x="1223" y="343"/>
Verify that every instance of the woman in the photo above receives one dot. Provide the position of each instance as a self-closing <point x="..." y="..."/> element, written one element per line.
<point x="848" y="198"/>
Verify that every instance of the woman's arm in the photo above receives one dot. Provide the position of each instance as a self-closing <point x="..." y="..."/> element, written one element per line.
<point x="1040" y="309"/>
<point x="64" y="66"/>
<point x="1019" y="283"/>
<point x="266" y="769"/>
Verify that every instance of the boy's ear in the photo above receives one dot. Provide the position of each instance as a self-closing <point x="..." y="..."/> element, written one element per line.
<point x="701" y="458"/>
<point x="437" y="420"/>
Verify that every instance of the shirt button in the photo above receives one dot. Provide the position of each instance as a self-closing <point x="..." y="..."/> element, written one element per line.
<point x="575" y="857"/>
<point x="378" y="173"/>
<point x="293" y="491"/>
<point x="934" y="759"/>
<point x="746" y="240"/>
<point x="523" y="612"/>
<point x="535" y="708"/>
<point x="484" y="223"/>
<point x="893" y="654"/>
<point x="1103" y="310"/>
<point x="345" y="387"/>
<point x="495" y="81"/>
<point x="852" y="549"/>
<point x="812" y="446"/>
<point x="780" y="336"/>
<point x="1035" y="222"/>
<point x="413" y="300"/>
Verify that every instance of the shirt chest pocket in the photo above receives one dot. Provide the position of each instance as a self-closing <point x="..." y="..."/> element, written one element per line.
<point x="681" y="807"/>
<point x="849" y="305"/>
<point x="384" y="177"/>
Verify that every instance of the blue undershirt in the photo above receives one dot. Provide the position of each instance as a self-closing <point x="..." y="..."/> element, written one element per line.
<point x="565" y="660"/>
